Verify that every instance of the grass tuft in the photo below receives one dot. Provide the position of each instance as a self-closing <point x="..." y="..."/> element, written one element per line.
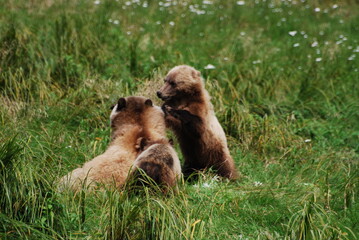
<point x="284" y="85"/>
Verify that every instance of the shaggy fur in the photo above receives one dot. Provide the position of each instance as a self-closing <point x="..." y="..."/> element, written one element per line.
<point x="132" y="120"/>
<point x="160" y="162"/>
<point x="189" y="113"/>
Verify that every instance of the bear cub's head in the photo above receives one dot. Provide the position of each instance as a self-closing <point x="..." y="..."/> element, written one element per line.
<point x="181" y="82"/>
<point x="138" y="111"/>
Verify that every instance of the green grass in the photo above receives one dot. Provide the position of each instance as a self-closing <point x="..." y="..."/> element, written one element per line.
<point x="288" y="104"/>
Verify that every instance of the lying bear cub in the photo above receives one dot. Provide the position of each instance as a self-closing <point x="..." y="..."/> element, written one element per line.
<point x="134" y="120"/>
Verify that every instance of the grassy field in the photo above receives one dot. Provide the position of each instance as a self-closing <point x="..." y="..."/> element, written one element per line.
<point x="283" y="76"/>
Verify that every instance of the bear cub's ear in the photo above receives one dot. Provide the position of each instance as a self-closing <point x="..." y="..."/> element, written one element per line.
<point x="121" y="104"/>
<point x="196" y="74"/>
<point x="149" y="103"/>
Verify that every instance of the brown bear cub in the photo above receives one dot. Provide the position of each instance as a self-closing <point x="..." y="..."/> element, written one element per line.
<point x="160" y="162"/>
<point x="189" y="113"/>
<point x="132" y="120"/>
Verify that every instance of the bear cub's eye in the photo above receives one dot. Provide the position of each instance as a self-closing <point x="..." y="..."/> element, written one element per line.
<point x="173" y="84"/>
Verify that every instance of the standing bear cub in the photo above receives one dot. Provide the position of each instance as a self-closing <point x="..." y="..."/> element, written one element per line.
<point x="189" y="113"/>
<point x="133" y="119"/>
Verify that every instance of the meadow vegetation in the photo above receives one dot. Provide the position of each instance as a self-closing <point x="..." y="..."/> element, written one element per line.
<point x="283" y="76"/>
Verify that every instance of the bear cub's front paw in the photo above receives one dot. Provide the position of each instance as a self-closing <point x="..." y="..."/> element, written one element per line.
<point x="166" y="109"/>
<point x="169" y="111"/>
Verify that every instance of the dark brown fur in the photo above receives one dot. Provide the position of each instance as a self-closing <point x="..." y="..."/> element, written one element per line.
<point x="189" y="113"/>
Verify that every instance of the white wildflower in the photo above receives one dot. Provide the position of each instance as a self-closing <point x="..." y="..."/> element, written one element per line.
<point x="296" y="45"/>
<point x="97" y="2"/>
<point x="318" y="59"/>
<point x="241" y="3"/>
<point x="257" y="184"/>
<point x="351" y="58"/>
<point x="207" y="2"/>
<point x="209" y="66"/>
<point x="317" y="9"/>
<point x="116" y="22"/>
<point x="172" y="23"/>
<point x="307" y="140"/>
<point x="292" y="33"/>
<point x="335" y="6"/>
<point x="256" y="61"/>
<point x="315" y="44"/>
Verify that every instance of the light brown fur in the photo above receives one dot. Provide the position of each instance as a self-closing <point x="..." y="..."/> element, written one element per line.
<point x="132" y="120"/>
<point x="189" y="113"/>
<point x="160" y="162"/>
